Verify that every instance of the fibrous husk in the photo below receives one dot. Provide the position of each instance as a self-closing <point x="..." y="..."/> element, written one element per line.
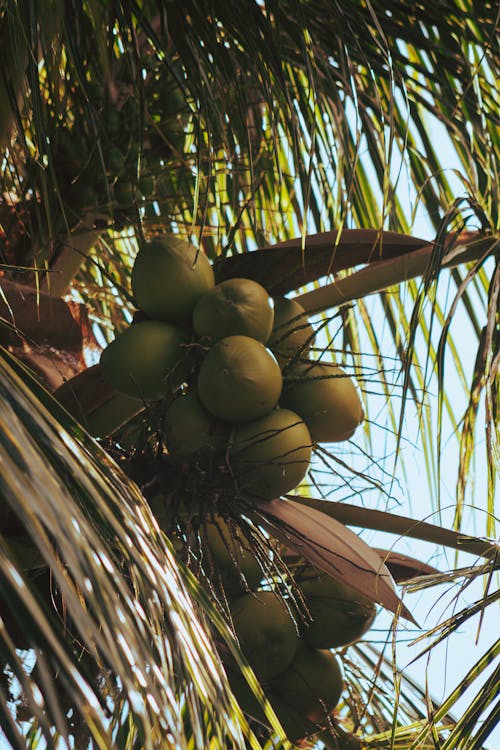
<point x="270" y="456"/>
<point x="236" y="307"/>
<point x="239" y="380"/>
<point x="141" y="359"/>
<point x="168" y="278"/>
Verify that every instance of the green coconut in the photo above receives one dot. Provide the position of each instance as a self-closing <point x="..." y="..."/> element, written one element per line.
<point x="188" y="428"/>
<point x="312" y="684"/>
<point x="266" y="632"/>
<point x="295" y="725"/>
<point x="340" y="614"/>
<point x="238" y="568"/>
<point x="239" y="380"/>
<point x="112" y="415"/>
<point x="246" y="698"/>
<point x="326" y="399"/>
<point x="292" y="333"/>
<point x="235" y="307"/>
<point x="270" y="456"/>
<point x="168" y="278"/>
<point x="142" y="359"/>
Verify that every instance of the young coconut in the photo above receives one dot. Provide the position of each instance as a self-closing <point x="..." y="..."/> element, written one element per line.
<point x="326" y="399"/>
<point x="312" y="684"/>
<point x="270" y="456"/>
<point x="188" y="428"/>
<point x="168" y="278"/>
<point x="266" y="632"/>
<point x="140" y="360"/>
<point x="232" y="308"/>
<point x="239" y="380"/>
<point x="296" y="727"/>
<point x="292" y="333"/>
<point x="239" y="570"/>
<point x="246" y="698"/>
<point x="340" y="614"/>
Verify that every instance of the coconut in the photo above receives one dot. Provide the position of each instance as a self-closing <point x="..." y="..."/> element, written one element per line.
<point x="140" y="361"/>
<point x="295" y="726"/>
<point x="292" y="333"/>
<point x="266" y="632"/>
<point x="246" y="698"/>
<point x="235" y="307"/>
<point x="270" y="456"/>
<point x="340" y="614"/>
<point x="312" y="684"/>
<point x="238" y="568"/>
<point x="168" y="278"/>
<point x="239" y="379"/>
<point x="326" y="399"/>
<point x="189" y="428"/>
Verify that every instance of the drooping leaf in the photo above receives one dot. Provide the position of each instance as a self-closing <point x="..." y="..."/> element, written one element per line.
<point x="382" y="274"/>
<point x="330" y="546"/>
<point x="125" y="629"/>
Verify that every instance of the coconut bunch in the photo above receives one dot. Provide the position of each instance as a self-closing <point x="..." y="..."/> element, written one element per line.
<point x="229" y="365"/>
<point x="292" y="655"/>
<point x="287" y="629"/>
<point x="240" y="406"/>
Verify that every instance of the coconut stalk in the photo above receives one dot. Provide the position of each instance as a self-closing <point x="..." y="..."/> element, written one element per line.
<point x="27" y="314"/>
<point x="99" y="407"/>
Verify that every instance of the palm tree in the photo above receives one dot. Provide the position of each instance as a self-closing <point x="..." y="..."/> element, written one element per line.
<point x="345" y="154"/>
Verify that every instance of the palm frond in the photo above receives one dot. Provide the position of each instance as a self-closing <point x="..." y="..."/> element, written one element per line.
<point x="116" y="653"/>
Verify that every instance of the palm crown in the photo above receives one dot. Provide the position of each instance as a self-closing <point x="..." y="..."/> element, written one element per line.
<point x="343" y="154"/>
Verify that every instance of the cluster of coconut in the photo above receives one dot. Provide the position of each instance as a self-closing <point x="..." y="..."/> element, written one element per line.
<point x="291" y="655"/>
<point x="229" y="368"/>
<point x="230" y="364"/>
